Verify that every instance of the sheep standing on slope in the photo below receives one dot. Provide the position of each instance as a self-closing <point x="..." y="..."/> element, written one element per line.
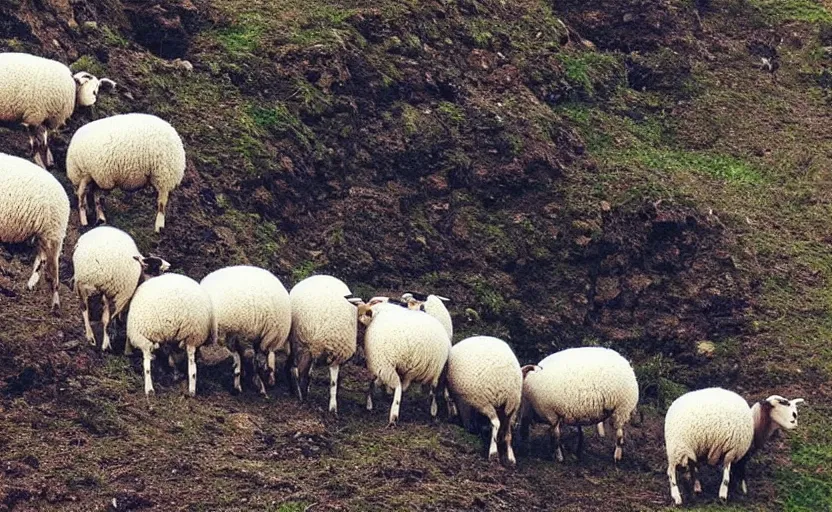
<point x="34" y="204"/>
<point x="126" y="151"/>
<point x="716" y="425"/>
<point x="434" y="305"/>
<point x="252" y="307"/>
<point x="171" y="309"/>
<point x="324" y="326"/>
<point x="484" y="374"/>
<point x="580" y="386"/>
<point x="403" y="346"/>
<point x="107" y="261"/>
<point x="41" y="94"/>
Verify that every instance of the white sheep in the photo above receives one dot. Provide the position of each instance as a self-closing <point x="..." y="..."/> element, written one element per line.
<point x="253" y="311"/>
<point x="580" y="386"/>
<point x="434" y="305"/>
<point x="34" y="204"/>
<point x="484" y="374"/>
<point x="107" y="261"/>
<point x="126" y="151"/>
<point x="41" y="94"/>
<point x="170" y="309"/>
<point x="324" y="326"/>
<point x="403" y="346"/>
<point x="716" y="425"/>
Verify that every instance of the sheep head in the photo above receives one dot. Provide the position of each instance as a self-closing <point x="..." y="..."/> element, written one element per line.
<point x="152" y="265"/>
<point x="783" y="412"/>
<point x="88" y="86"/>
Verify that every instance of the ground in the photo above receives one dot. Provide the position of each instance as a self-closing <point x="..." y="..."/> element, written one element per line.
<point x="652" y="176"/>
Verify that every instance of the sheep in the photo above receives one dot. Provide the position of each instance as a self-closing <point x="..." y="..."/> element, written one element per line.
<point x="432" y="305"/>
<point x="579" y="386"/>
<point x="324" y="326"/>
<point x="107" y="261"/>
<point x="484" y="374"/>
<point x="34" y="204"/>
<point x="126" y="151"/>
<point x="716" y="425"/>
<point x="41" y="94"/>
<point x="168" y="309"/>
<point x="403" y="346"/>
<point x="252" y="307"/>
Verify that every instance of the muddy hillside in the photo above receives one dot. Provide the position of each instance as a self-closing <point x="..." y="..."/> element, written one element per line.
<point x="649" y="176"/>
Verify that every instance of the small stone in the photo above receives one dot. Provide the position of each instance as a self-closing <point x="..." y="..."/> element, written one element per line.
<point x="90" y="25"/>
<point x="605" y="206"/>
<point x="706" y="348"/>
<point x="628" y="18"/>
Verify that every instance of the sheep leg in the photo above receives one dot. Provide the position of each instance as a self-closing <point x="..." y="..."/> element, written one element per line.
<point x="30" y="131"/>
<point x="495" y="429"/>
<point x="99" y="209"/>
<point x="303" y="369"/>
<point x="82" y="199"/>
<point x="619" y="443"/>
<point x="270" y="363"/>
<point x="434" y="407"/>
<point x="35" y="278"/>
<point x="601" y="431"/>
<point x="580" y="448"/>
<point x="370" y="391"/>
<point x="49" y="160"/>
<point x="397" y="400"/>
<point x="507" y="422"/>
<point x="674" y="487"/>
<point x="333" y="389"/>
<point x="191" y="370"/>
<point x="85" y="314"/>
<point x="52" y="257"/>
<point x="251" y="370"/>
<point x="452" y="412"/>
<point x="726" y="478"/>
<point x="148" y="383"/>
<point x="237" y="371"/>
<point x="40" y="149"/>
<point x="161" y="204"/>
<point x="555" y="436"/>
<point x="694" y="474"/>
<point x="105" y="322"/>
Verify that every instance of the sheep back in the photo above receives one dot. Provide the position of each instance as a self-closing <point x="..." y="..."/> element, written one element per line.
<point x="582" y="386"/>
<point x="711" y="424"/>
<point x="35" y="90"/>
<point x="32" y="202"/>
<point x="104" y="262"/>
<point x="484" y="373"/>
<point x="252" y="303"/>
<point x="323" y="321"/>
<point x="408" y="343"/>
<point x="170" y="308"/>
<point x="127" y="151"/>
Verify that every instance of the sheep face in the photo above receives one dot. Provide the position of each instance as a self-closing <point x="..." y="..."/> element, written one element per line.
<point x="365" y="313"/>
<point x="152" y="265"/>
<point x="783" y="411"/>
<point x="88" y="86"/>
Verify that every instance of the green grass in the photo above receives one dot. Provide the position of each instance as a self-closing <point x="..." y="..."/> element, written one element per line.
<point x="280" y="121"/>
<point x="587" y="71"/>
<point x="811" y="11"/>
<point x="243" y="37"/>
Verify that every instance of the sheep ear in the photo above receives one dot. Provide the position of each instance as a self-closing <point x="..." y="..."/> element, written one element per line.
<point x="797" y="401"/>
<point x="416" y="295"/>
<point x="109" y="82"/>
<point x="529" y="368"/>
<point x="355" y="300"/>
<point x="141" y="261"/>
<point x="443" y="299"/>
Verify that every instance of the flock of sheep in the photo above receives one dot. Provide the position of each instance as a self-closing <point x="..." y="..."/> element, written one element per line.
<point x="248" y="310"/>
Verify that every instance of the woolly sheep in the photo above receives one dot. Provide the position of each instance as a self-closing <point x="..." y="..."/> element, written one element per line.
<point x="41" y="94"/>
<point x="170" y="309"/>
<point x="34" y="204"/>
<point x="434" y="305"/>
<point x="253" y="311"/>
<point x="107" y="261"/>
<point x="580" y="386"/>
<point x="403" y="346"/>
<point x="716" y="425"/>
<point x="484" y="374"/>
<point x="324" y="326"/>
<point x="126" y="151"/>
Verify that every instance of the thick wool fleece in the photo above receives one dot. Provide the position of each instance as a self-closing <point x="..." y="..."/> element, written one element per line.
<point x="35" y="90"/>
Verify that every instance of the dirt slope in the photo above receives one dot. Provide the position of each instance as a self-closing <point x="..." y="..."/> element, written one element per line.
<point x="618" y="172"/>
